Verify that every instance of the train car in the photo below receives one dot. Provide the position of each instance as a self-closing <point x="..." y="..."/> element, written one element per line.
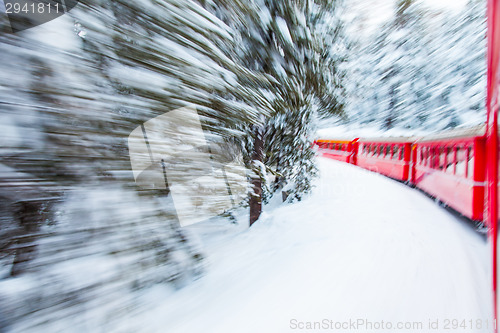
<point x="452" y="168"/>
<point x="387" y="156"/>
<point x="340" y="150"/>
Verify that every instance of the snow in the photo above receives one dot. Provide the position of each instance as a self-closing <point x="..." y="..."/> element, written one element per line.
<point x="427" y="74"/>
<point x="447" y="4"/>
<point x="360" y="247"/>
<point x="57" y="34"/>
<point x="283" y="29"/>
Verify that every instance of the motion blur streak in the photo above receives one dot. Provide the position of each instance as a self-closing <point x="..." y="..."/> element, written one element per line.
<point x="78" y="237"/>
<point x="80" y="241"/>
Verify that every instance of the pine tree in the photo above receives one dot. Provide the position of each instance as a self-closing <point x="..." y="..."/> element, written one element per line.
<point x="69" y="114"/>
<point x="298" y="44"/>
<point x="422" y="71"/>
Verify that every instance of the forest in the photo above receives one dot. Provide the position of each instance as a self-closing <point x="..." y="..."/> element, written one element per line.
<point x="78" y="233"/>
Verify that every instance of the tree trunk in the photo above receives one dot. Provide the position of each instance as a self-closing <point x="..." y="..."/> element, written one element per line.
<point x="256" y="196"/>
<point x="389" y="120"/>
<point x="28" y="215"/>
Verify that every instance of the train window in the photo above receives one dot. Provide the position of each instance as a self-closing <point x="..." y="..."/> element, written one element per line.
<point x="439" y="158"/>
<point x="460" y="167"/>
<point x="388" y="150"/>
<point x="435" y="157"/>
<point x="395" y="152"/>
<point x="454" y="160"/>
<point x="442" y="158"/>
<point x="470" y="163"/>
<point x="448" y="160"/>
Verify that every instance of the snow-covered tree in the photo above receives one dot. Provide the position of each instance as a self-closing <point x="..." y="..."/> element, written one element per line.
<point x="72" y="92"/>
<point x="423" y="70"/>
<point x="299" y="44"/>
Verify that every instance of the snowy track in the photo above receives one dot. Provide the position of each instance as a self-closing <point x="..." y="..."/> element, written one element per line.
<point x="361" y="247"/>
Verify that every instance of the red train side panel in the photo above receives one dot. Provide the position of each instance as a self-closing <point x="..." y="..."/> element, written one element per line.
<point x="389" y="158"/>
<point x="339" y="150"/>
<point x="453" y="170"/>
<point x="450" y="167"/>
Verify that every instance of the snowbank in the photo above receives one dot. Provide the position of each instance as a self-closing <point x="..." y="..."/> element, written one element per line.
<point x="361" y="247"/>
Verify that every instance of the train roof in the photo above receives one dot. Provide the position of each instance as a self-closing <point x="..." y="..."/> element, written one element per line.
<point x="386" y="139"/>
<point x="457" y="133"/>
<point x="445" y="135"/>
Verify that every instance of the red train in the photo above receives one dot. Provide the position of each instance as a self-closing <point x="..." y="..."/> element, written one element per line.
<point x="459" y="168"/>
<point x="450" y="167"/>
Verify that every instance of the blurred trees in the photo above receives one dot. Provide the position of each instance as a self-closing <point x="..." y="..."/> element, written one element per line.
<point x="258" y="72"/>
<point x="300" y="46"/>
<point x="423" y="70"/>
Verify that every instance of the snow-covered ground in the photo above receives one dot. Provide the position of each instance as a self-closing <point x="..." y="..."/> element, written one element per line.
<point x="362" y="250"/>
